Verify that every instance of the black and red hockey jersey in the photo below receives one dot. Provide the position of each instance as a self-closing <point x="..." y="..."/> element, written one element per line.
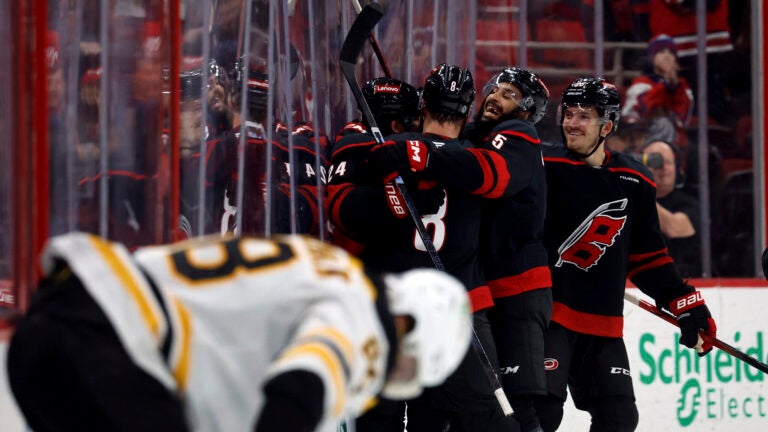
<point x="352" y="191"/>
<point x="358" y="208"/>
<point x="602" y="228"/>
<point x="506" y="166"/>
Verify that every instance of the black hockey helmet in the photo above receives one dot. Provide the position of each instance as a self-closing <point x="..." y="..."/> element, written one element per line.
<point x="596" y="92"/>
<point x="258" y="91"/>
<point x="535" y="97"/>
<point x="218" y="74"/>
<point x="391" y="98"/>
<point x="191" y="81"/>
<point x="450" y="90"/>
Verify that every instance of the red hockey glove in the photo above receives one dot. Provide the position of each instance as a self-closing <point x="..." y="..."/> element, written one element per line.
<point x="389" y="158"/>
<point x="693" y="317"/>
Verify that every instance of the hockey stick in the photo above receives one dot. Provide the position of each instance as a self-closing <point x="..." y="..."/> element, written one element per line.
<point x="353" y="44"/>
<point x="374" y="43"/>
<point x="668" y="317"/>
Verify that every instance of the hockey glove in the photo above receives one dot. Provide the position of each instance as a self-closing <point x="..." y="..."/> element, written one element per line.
<point x="693" y="317"/>
<point x="427" y="201"/>
<point x="390" y="158"/>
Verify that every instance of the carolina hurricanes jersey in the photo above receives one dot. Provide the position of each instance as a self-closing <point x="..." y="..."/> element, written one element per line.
<point x="602" y="228"/>
<point x="219" y="161"/>
<point x="351" y="191"/>
<point x="358" y="208"/>
<point x="506" y="165"/>
<point x="213" y="319"/>
<point x="129" y="219"/>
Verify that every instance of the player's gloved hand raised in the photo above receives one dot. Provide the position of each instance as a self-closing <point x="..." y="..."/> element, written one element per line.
<point x="390" y="158"/>
<point x="693" y="316"/>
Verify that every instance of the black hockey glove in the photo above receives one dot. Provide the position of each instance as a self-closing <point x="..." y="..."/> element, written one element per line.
<point x="390" y="158"/>
<point x="693" y="316"/>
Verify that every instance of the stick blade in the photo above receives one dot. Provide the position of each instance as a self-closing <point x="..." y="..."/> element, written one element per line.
<point x="364" y="23"/>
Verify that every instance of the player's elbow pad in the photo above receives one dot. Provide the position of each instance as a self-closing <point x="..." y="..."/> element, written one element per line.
<point x="293" y="402"/>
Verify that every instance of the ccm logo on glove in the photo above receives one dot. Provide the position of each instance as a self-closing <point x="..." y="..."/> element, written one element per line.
<point x="417" y="155"/>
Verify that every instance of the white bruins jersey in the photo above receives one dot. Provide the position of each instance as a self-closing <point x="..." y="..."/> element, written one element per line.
<point x="224" y="315"/>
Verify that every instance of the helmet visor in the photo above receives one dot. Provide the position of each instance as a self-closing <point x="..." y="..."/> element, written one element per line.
<point x="579" y="115"/>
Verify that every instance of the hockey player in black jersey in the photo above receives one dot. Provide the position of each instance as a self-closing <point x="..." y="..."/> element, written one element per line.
<point x="465" y="402"/>
<point x="227" y="334"/>
<point x="503" y="164"/>
<point x="357" y="203"/>
<point x="602" y="228"/>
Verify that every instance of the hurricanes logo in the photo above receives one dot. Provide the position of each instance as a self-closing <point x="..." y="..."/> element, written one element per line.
<point x="587" y="244"/>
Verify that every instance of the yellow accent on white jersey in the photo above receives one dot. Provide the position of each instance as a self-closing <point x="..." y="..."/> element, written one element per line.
<point x="222" y="316"/>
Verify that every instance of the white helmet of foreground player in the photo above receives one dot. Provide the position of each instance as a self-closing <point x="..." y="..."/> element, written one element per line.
<point x="439" y="339"/>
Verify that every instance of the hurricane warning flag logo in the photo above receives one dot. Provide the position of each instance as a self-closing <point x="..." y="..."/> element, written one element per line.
<point x="588" y="242"/>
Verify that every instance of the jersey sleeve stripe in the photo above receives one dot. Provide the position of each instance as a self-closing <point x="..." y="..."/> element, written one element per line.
<point x="143" y="301"/>
<point x="181" y="366"/>
<point x="332" y="364"/>
<point x="633" y="258"/>
<point x="334" y="340"/>
<point x="495" y="181"/>
<point x="653" y="264"/>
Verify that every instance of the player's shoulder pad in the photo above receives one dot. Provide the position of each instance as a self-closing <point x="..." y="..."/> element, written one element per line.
<point x="352" y="128"/>
<point x="432" y="141"/>
<point x="350" y="141"/>
<point x="622" y="162"/>
<point x="556" y="150"/>
<point x="517" y="128"/>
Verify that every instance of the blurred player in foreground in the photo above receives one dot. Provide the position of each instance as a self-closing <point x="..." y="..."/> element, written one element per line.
<point x="214" y="334"/>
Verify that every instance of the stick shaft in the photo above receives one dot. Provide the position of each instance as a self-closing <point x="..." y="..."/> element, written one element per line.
<point x="668" y="317"/>
<point x="350" y="50"/>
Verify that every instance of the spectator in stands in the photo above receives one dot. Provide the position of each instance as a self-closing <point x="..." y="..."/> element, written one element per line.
<point x="678" y="211"/>
<point x="661" y="93"/>
<point x="677" y="18"/>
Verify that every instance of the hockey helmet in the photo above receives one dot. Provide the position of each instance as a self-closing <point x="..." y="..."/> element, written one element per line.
<point x="450" y="90"/>
<point x="535" y="97"/>
<point x="217" y="74"/>
<point x="439" y="306"/>
<point x="594" y="92"/>
<point x="391" y="98"/>
<point x="191" y="84"/>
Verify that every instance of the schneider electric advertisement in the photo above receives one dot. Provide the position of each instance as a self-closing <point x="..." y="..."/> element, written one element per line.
<point x="676" y="389"/>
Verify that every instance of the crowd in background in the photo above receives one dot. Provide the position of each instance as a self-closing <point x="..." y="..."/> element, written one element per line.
<point x="309" y="101"/>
